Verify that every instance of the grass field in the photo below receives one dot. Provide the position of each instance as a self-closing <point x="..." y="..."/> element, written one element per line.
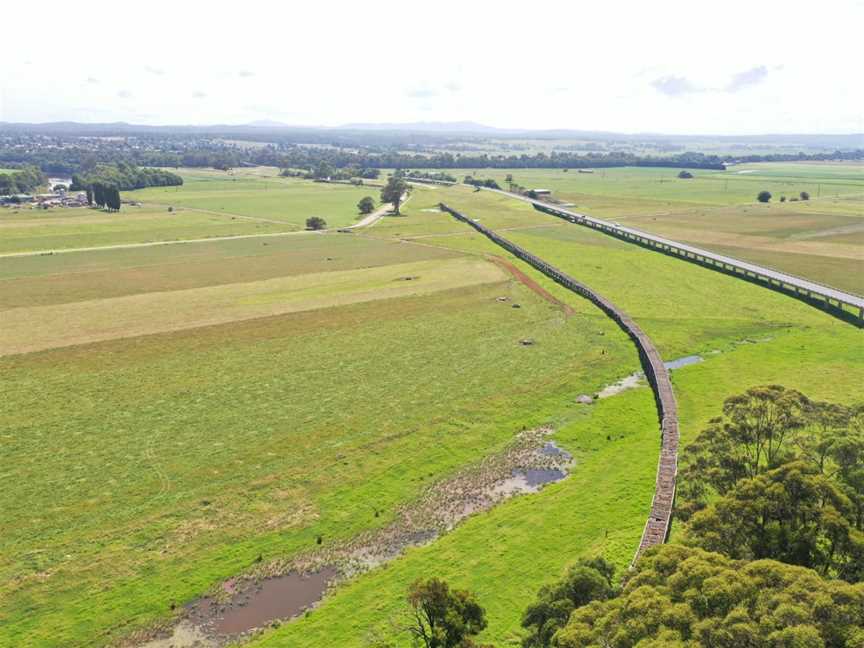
<point x="750" y="337"/>
<point x="209" y="204"/>
<point x="820" y="239"/>
<point x="175" y="459"/>
<point x="192" y="407"/>
<point x="258" y="194"/>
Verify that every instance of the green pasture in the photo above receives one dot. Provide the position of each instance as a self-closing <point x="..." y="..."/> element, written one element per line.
<point x="58" y="229"/>
<point x="820" y="239"/>
<point x="750" y="337"/>
<point x="154" y="466"/>
<point x="140" y="471"/>
<point x="118" y="272"/>
<point x="283" y="200"/>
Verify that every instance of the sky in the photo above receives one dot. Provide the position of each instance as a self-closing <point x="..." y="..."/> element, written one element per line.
<point x="736" y="67"/>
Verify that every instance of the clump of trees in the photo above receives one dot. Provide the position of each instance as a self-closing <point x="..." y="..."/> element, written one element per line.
<point x="772" y="551"/>
<point x="442" y="617"/>
<point x="25" y="181"/>
<point x="779" y="476"/>
<point x="429" y="175"/>
<point x="476" y="182"/>
<point x="588" y="580"/>
<point x="366" y="205"/>
<point x="124" y="177"/>
<point x="684" y="596"/>
<point x="316" y="223"/>
<point x="394" y="191"/>
<point x="764" y="196"/>
<point x="104" y="196"/>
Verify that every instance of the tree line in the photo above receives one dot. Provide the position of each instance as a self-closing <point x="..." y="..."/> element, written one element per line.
<point x="73" y="159"/>
<point x="770" y="551"/>
<point x="25" y="181"/>
<point x="124" y="177"/>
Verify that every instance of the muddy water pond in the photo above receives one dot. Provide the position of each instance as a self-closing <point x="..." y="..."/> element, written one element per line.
<point x="635" y="379"/>
<point x="683" y="362"/>
<point x="254" y="604"/>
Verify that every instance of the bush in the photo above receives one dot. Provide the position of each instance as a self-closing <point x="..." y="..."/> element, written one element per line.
<point x="366" y="205"/>
<point x="685" y="175"/>
<point x="316" y="223"/>
<point x="764" y="196"/>
<point x="804" y="195"/>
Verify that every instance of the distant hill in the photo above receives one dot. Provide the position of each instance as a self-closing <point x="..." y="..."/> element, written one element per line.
<point x="395" y="132"/>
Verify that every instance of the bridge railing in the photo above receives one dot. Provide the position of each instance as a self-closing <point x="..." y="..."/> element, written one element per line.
<point x="659" y="522"/>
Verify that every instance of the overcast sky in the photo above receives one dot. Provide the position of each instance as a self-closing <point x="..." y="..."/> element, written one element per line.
<point x="752" y="66"/>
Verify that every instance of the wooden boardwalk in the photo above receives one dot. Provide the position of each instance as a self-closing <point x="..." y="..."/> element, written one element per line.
<point x="660" y="518"/>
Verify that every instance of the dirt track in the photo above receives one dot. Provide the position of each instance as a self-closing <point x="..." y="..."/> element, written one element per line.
<point x="533" y="285"/>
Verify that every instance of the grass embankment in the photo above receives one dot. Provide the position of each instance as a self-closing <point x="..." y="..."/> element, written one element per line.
<point x="749" y="336"/>
<point x="140" y="471"/>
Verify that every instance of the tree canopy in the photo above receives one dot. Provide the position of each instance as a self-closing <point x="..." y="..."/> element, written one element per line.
<point x="685" y="596"/>
<point x="366" y="205"/>
<point x="764" y="196"/>
<point x="124" y="177"/>
<point x="441" y="617"/>
<point x="27" y="180"/>
<point x="394" y="191"/>
<point x="316" y="223"/>
<point x="588" y="580"/>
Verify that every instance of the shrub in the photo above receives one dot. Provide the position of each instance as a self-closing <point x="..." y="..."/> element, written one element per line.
<point x="316" y="223"/>
<point x="764" y="196"/>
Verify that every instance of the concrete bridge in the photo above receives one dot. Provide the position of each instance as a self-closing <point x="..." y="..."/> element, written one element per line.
<point x="844" y="305"/>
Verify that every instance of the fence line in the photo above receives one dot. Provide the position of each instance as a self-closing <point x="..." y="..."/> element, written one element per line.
<point x="659" y="521"/>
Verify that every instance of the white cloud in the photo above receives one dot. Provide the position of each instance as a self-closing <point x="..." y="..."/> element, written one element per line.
<point x="674" y="86"/>
<point x="623" y="65"/>
<point x="751" y="77"/>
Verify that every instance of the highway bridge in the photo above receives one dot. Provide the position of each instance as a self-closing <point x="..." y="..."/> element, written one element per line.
<point x="844" y="305"/>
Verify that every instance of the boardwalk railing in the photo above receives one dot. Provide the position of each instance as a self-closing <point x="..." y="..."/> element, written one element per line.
<point x="657" y="527"/>
<point x="843" y="305"/>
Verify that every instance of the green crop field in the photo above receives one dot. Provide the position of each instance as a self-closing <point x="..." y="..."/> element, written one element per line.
<point x="819" y="239"/>
<point x="177" y="415"/>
